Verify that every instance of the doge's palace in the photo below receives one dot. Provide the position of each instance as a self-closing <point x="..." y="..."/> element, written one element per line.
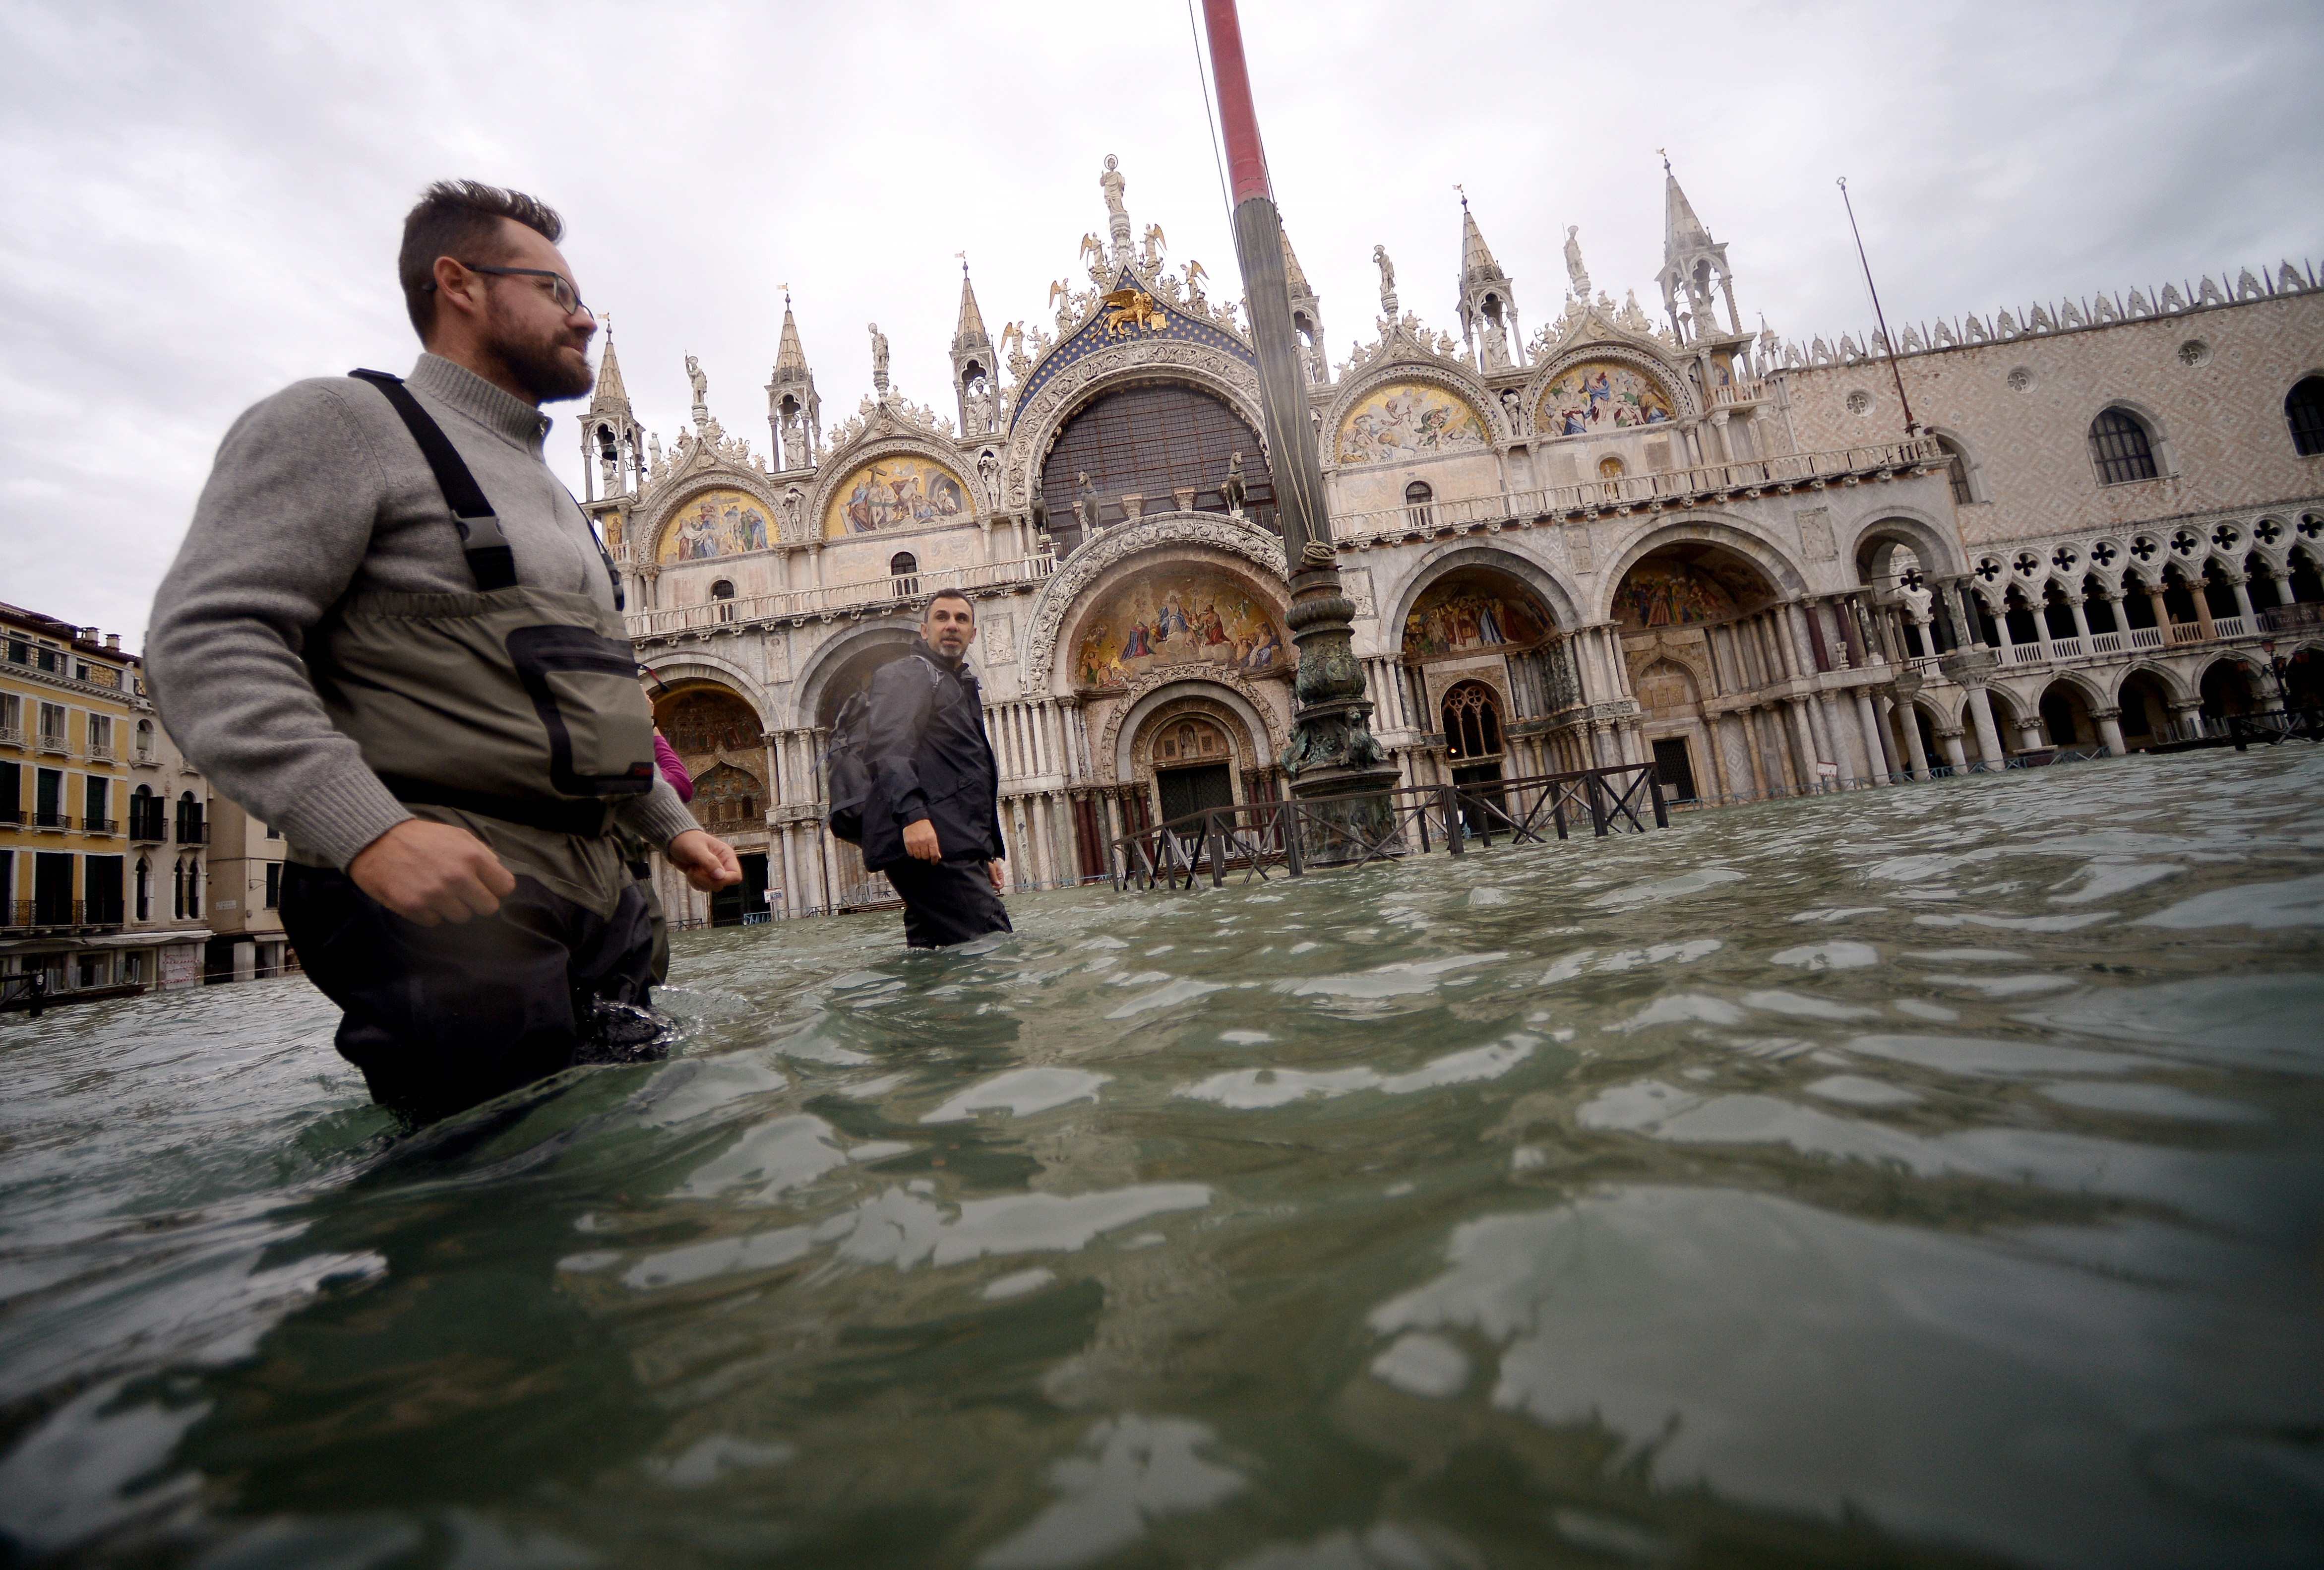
<point x="1633" y="535"/>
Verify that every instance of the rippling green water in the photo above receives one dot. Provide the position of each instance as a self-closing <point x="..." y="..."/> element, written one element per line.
<point x="1931" y="1176"/>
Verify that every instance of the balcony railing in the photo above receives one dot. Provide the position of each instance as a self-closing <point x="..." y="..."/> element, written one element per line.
<point x="149" y="830"/>
<point x="40" y="819"/>
<point x="52" y="741"/>
<point x="106" y="825"/>
<point x="100" y="754"/>
<point x="193" y="833"/>
<point x="832" y="599"/>
<point x="1674" y="487"/>
<point x="11" y="735"/>
<point x="34" y="915"/>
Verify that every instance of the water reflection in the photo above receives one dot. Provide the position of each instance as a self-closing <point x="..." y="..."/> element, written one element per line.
<point x="1930" y="1173"/>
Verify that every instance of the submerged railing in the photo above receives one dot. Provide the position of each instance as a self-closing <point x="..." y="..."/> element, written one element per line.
<point x="1354" y="830"/>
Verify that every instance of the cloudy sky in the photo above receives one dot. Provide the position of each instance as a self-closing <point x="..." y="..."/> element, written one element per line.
<point x="206" y="200"/>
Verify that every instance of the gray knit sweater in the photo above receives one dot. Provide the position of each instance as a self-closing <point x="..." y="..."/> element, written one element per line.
<point x="318" y="493"/>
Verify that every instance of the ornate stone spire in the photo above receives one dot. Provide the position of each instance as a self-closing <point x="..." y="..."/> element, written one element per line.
<point x="1489" y="307"/>
<point x="975" y="369"/>
<point x="788" y="355"/>
<point x="969" y="333"/>
<point x="794" y="412"/>
<point x="610" y="396"/>
<point x="610" y="433"/>
<point x="1691" y="263"/>
<point x="1306" y="316"/>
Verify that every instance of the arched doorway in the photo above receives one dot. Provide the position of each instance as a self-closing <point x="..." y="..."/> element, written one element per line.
<point x="1482" y="627"/>
<point x="1151" y="449"/>
<point x="2145" y="707"/>
<point x="1472" y="717"/>
<point x="717" y="735"/>
<point x="2066" y="719"/>
<point x="1193" y="767"/>
<point x="2229" y="691"/>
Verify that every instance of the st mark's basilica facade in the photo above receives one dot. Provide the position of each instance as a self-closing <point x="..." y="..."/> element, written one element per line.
<point x="1626" y="536"/>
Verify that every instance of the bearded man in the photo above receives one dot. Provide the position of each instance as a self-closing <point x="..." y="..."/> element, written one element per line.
<point x="391" y="635"/>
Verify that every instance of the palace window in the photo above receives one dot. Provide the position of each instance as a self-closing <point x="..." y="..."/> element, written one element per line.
<point x="904" y="568"/>
<point x="1958" y="471"/>
<point x="1472" y="722"/>
<point x="1609" y="468"/>
<point x="2304" y="409"/>
<point x="723" y="593"/>
<point x="2122" y="448"/>
<point x="1417" y="496"/>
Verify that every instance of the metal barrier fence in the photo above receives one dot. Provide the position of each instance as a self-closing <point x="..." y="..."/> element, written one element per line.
<point x="1355" y="830"/>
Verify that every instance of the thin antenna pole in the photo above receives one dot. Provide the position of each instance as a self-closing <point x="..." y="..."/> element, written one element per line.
<point x="1912" y="426"/>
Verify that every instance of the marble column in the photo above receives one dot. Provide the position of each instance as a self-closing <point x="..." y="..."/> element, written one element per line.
<point x="1955" y="753"/>
<point x="2282" y="581"/>
<point x="1868" y="723"/>
<point x="2081" y="620"/>
<point x="2161" y="610"/>
<point x="1908" y="723"/>
<point x="1752" y="754"/>
<point x="1714" y="737"/>
<point x="791" y="871"/>
<point x="2189" y="715"/>
<point x="2109" y="724"/>
<point x="1804" y="741"/>
<point x="1988" y="739"/>
<point x="2241" y="584"/>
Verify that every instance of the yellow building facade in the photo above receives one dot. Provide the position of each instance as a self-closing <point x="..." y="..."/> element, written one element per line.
<point x="103" y="825"/>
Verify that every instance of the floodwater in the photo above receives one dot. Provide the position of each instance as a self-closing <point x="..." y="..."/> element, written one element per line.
<point x="1925" y="1176"/>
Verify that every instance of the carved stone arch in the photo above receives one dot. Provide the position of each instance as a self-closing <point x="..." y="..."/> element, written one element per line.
<point x="838" y="653"/>
<point x="1150" y="692"/>
<point x="1113" y="548"/>
<point x="897" y="442"/>
<point x="2159" y="436"/>
<point x="2091" y="690"/>
<point x="1686" y="400"/>
<point x="1958" y="446"/>
<point x="701" y="664"/>
<point x="1197" y="366"/>
<point x="1450" y="376"/>
<point x="1565" y="605"/>
<point x="1223" y="709"/>
<point x="681" y="489"/>
<point x="2174" y="689"/>
<point x="1931" y="541"/>
<point x="1733" y="535"/>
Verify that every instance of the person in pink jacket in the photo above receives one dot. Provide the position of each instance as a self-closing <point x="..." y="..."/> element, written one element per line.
<point x="637" y="854"/>
<point x="666" y="759"/>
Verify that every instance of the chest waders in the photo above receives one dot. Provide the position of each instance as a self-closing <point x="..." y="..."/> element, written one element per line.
<point x="514" y="704"/>
<point x="513" y="712"/>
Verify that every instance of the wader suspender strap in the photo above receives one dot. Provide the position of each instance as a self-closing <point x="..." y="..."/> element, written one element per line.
<point x="489" y="556"/>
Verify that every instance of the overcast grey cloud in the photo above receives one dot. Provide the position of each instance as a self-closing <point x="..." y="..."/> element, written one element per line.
<point x="204" y="200"/>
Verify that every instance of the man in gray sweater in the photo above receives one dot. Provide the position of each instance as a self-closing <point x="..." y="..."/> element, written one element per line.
<point x="430" y="691"/>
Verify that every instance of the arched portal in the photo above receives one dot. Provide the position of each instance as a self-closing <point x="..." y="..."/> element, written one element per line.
<point x="1151" y="449"/>
<point x="1478" y="627"/>
<point x="1196" y="750"/>
<point x="2145" y="709"/>
<point x="2066" y="720"/>
<point x="2229" y="691"/>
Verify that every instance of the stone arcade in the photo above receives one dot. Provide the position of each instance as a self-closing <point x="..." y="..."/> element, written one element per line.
<point x="1625" y="539"/>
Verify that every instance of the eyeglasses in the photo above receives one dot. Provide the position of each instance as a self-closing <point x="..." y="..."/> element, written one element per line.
<point x="560" y="288"/>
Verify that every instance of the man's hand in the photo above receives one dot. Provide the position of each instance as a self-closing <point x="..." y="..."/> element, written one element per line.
<point x="998" y="873"/>
<point x="921" y="842"/>
<point x="429" y="872"/>
<point x="707" y="861"/>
